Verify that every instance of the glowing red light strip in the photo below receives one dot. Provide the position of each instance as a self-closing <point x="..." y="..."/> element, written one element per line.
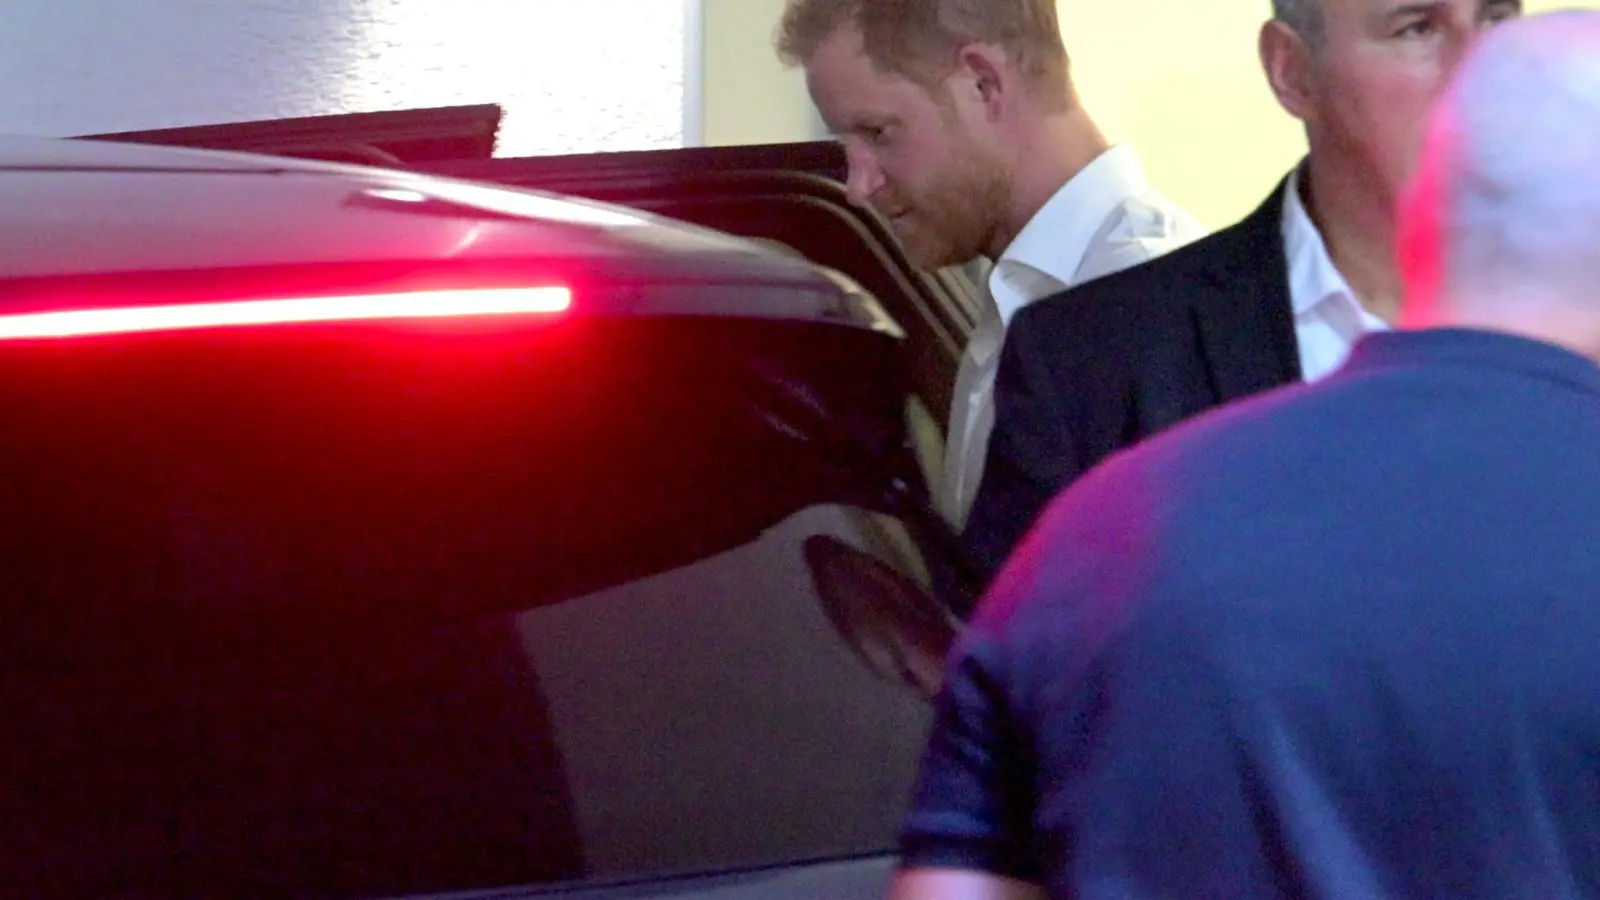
<point x="407" y="305"/>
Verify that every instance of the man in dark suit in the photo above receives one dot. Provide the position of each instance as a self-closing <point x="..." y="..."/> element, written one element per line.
<point x="1278" y="297"/>
<point x="1338" y="640"/>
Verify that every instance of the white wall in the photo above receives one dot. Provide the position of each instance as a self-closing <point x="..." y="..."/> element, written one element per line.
<point x="747" y="97"/>
<point x="610" y="76"/>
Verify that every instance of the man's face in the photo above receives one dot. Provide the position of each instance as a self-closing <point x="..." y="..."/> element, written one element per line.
<point x="1374" y="79"/>
<point x="916" y="155"/>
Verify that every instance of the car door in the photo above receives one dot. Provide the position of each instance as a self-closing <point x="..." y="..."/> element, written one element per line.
<point x="387" y="138"/>
<point x="715" y="736"/>
<point x="410" y="611"/>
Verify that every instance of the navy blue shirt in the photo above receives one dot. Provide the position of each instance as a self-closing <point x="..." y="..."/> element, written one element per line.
<point x="1341" y="640"/>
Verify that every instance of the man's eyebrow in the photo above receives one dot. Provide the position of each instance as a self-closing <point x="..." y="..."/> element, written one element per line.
<point x="1413" y="9"/>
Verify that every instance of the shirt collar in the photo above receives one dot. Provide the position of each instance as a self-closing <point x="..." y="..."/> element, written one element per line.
<point x="1051" y="247"/>
<point x="1312" y="275"/>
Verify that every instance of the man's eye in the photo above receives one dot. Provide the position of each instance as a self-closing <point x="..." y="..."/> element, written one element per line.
<point x="876" y="134"/>
<point x="1504" y="12"/>
<point x="1421" y="28"/>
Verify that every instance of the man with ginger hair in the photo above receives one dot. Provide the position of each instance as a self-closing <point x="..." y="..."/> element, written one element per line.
<point x="961" y="126"/>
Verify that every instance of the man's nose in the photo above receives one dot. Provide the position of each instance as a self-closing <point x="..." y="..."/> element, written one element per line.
<point x="865" y="179"/>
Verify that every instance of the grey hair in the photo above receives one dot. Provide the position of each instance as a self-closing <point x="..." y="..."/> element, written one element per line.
<point x="1512" y="147"/>
<point x="1303" y="17"/>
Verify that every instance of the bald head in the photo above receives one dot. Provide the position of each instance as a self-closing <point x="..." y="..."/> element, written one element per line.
<point x="1503" y="217"/>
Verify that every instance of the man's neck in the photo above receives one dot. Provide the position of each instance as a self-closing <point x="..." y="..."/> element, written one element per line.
<point x="1045" y="157"/>
<point x="1358" y="229"/>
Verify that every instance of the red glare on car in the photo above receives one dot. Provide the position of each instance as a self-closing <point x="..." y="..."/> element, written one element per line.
<point x="414" y="304"/>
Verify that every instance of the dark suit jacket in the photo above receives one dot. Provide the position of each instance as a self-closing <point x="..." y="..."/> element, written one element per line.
<point x="1101" y="366"/>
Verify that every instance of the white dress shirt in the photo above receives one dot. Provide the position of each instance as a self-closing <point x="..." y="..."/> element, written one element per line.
<point x="1327" y="316"/>
<point x="1105" y="219"/>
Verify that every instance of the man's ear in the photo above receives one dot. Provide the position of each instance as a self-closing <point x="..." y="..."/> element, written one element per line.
<point x="1287" y="61"/>
<point x="984" y="76"/>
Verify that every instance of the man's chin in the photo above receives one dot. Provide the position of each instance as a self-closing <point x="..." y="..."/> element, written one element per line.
<point x="928" y="259"/>
<point x="927" y="255"/>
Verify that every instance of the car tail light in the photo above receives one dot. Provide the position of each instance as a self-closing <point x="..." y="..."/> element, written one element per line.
<point x="420" y="304"/>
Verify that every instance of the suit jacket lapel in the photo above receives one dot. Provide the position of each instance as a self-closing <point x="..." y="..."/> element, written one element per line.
<point x="1243" y="311"/>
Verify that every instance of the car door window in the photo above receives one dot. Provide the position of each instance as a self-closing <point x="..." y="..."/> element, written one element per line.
<point x="226" y="681"/>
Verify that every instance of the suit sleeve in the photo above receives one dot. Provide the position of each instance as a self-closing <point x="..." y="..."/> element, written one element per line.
<point x="1031" y="456"/>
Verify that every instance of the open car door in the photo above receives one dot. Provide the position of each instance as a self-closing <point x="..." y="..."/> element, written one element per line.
<point x="399" y="138"/>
